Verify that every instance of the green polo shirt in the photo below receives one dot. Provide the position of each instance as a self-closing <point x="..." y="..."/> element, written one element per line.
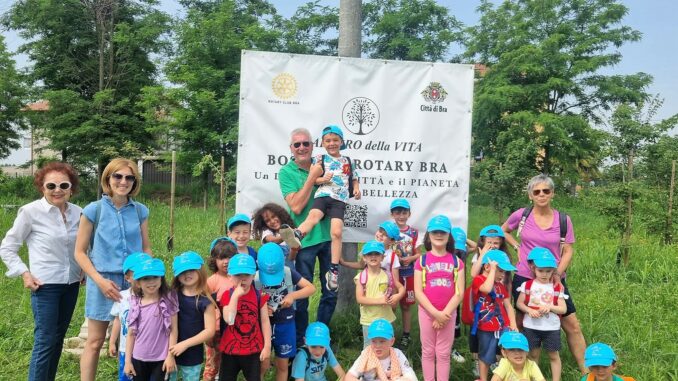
<point x="292" y="178"/>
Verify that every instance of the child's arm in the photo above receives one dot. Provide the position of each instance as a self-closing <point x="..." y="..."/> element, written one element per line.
<point x="231" y="309"/>
<point x="559" y="308"/>
<point x="488" y="284"/>
<point x="324" y="179"/>
<point x="266" y="332"/>
<point x="350" y="377"/>
<point x="339" y="371"/>
<point x="394" y="299"/>
<point x="471" y="245"/>
<point x="521" y="306"/>
<point x="356" y="189"/>
<point x="113" y="341"/>
<point x="272" y="238"/>
<point x="204" y="336"/>
<point x="170" y="364"/>
<point x="458" y="296"/>
<point x="477" y="266"/>
<point x="511" y="314"/>
<point x="129" y="350"/>
<point x="305" y="289"/>
<point x="365" y="301"/>
<point x="423" y="301"/>
<point x="358" y="265"/>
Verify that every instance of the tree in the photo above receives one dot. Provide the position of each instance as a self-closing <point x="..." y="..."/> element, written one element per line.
<point x="12" y="96"/>
<point x="543" y="81"/>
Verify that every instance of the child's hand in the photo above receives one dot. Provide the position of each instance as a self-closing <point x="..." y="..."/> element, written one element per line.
<point x="534" y="313"/>
<point x="129" y="368"/>
<point x="112" y="349"/>
<point x="327" y="177"/>
<point x="238" y="291"/>
<point x="356" y="193"/>
<point x="170" y="365"/>
<point x="392" y="301"/>
<point x="178" y="348"/>
<point x="493" y="266"/>
<point x="265" y="354"/>
<point x="270" y="310"/>
<point x="436" y="325"/>
<point x="544" y="310"/>
<point x="441" y="317"/>
<point x="287" y="301"/>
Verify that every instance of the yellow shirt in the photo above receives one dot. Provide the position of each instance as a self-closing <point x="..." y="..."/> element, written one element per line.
<point x="376" y="287"/>
<point x="530" y="371"/>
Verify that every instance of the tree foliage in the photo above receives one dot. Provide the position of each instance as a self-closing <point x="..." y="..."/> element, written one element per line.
<point x="13" y="94"/>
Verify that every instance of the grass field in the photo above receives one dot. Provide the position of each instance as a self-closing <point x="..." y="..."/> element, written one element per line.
<point x="632" y="308"/>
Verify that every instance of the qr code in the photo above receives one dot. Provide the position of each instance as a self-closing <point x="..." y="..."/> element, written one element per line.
<point x="355" y="216"/>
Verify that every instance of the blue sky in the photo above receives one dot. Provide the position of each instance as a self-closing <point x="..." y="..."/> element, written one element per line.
<point x="655" y="54"/>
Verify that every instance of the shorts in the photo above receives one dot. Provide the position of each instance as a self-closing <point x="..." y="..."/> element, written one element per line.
<point x="548" y="340"/>
<point x="330" y="207"/>
<point x="408" y="282"/>
<point x="488" y="346"/>
<point x="284" y="340"/>
<point x="188" y="373"/>
<point x="518" y="280"/>
<point x="472" y="343"/>
<point x="121" y="368"/>
<point x="97" y="306"/>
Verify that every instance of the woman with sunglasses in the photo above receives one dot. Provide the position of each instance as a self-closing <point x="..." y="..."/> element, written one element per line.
<point x="110" y="230"/>
<point x="48" y="226"/>
<point x="541" y="228"/>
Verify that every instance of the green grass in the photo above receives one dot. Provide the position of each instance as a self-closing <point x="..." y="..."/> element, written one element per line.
<point x="632" y="308"/>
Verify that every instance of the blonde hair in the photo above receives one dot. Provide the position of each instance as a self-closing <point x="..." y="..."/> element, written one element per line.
<point x="116" y="165"/>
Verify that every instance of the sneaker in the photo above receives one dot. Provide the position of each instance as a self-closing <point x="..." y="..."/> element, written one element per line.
<point x="405" y="342"/>
<point x="292" y="237"/>
<point x="476" y="368"/>
<point x="332" y="279"/>
<point x="456" y="356"/>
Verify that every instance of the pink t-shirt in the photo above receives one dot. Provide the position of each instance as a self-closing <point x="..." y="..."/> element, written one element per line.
<point x="439" y="278"/>
<point x="219" y="284"/>
<point x="533" y="236"/>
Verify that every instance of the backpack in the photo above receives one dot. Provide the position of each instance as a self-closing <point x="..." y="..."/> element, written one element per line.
<point x="287" y="279"/>
<point x="363" y="281"/>
<point x="97" y="218"/>
<point x="470" y="312"/>
<point x="324" y="359"/>
<point x="562" y="221"/>
<point x="350" y="173"/>
<point x="455" y="260"/>
<point x="557" y="292"/>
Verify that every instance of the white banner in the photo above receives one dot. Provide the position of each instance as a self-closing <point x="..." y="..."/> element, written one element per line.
<point x="407" y="126"/>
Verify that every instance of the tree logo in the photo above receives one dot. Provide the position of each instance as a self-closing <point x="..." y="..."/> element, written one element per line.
<point x="434" y="93"/>
<point x="360" y="115"/>
<point x="284" y="86"/>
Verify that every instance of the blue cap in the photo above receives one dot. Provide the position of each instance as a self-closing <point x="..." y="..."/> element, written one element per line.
<point x="380" y="328"/>
<point x="514" y="340"/>
<point x="150" y="267"/>
<point x="599" y="354"/>
<point x="501" y="258"/>
<point x="133" y="259"/>
<point x="542" y="257"/>
<point x="332" y="129"/>
<point x="459" y="236"/>
<point x="371" y="247"/>
<point x="188" y="260"/>
<point x="400" y="203"/>
<point x="318" y="334"/>
<point x="492" y="231"/>
<point x="217" y="240"/>
<point x="439" y="223"/>
<point x="271" y="262"/>
<point x="239" y="217"/>
<point x="242" y="264"/>
<point x="391" y="229"/>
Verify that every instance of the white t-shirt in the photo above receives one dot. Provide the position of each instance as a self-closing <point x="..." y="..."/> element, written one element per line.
<point x="386" y="262"/>
<point x="541" y="294"/>
<point x="267" y="233"/>
<point x="121" y="309"/>
<point x="408" y="372"/>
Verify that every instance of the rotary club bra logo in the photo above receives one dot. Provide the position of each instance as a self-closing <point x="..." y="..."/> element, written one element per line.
<point x="284" y="86"/>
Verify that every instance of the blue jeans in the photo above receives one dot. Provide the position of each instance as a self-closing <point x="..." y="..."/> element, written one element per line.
<point x="305" y="265"/>
<point x="53" y="306"/>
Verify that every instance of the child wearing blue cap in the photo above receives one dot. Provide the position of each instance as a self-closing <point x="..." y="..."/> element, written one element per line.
<point x="338" y="183"/>
<point x="246" y="340"/>
<point x="120" y="310"/>
<point x="239" y="228"/>
<point x="152" y="322"/>
<point x="313" y="359"/>
<point x="493" y="311"/>
<point x="389" y="235"/>
<point x="602" y="362"/>
<point x="278" y="282"/>
<point x="380" y="361"/>
<point x="514" y="364"/>
<point x="196" y="317"/>
<point x="542" y="301"/>
<point x="375" y="289"/>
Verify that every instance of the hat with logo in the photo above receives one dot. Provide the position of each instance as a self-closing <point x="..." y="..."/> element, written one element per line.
<point x="439" y="223"/>
<point x="133" y="259"/>
<point x="188" y="260"/>
<point x="239" y="217"/>
<point x="149" y="267"/>
<point x="459" y="236"/>
<point x="271" y="262"/>
<point x="542" y="257"/>
<point x="332" y="129"/>
<point x="501" y="258"/>
<point x="599" y="354"/>
<point x="514" y="340"/>
<point x="317" y="334"/>
<point x="391" y="229"/>
<point x="242" y="264"/>
<point x="492" y="231"/>
<point x="371" y="247"/>
<point x="400" y="203"/>
<point x="217" y="240"/>
<point x="380" y="328"/>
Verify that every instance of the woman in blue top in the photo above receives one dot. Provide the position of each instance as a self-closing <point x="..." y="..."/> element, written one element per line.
<point x="115" y="227"/>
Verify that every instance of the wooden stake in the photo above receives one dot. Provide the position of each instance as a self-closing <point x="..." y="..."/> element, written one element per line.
<point x="170" y="238"/>
<point x="668" y="238"/>
<point x="222" y="202"/>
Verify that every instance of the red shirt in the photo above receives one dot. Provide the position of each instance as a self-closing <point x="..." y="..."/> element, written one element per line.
<point x="489" y="318"/>
<point x="244" y="337"/>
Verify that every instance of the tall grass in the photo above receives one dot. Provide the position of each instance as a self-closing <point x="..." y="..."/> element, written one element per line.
<point x="632" y="308"/>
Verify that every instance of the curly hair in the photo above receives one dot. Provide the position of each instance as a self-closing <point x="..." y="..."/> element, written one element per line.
<point x="56" y="166"/>
<point x="258" y="224"/>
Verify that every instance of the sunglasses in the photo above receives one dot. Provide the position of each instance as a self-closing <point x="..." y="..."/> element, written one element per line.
<point x="118" y="177"/>
<point x="63" y="186"/>
<point x="299" y="144"/>
<point x="537" y="192"/>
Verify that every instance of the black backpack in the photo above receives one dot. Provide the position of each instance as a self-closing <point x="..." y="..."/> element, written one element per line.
<point x="562" y="220"/>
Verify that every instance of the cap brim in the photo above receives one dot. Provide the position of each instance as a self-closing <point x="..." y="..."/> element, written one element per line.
<point x="140" y="274"/>
<point x="186" y="267"/>
<point x="598" y="362"/>
<point x="545" y="263"/>
<point x="379" y="336"/>
<point x="506" y="266"/>
<point x="241" y="270"/>
<point x="517" y="346"/>
<point x="318" y="341"/>
<point x="271" y="279"/>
